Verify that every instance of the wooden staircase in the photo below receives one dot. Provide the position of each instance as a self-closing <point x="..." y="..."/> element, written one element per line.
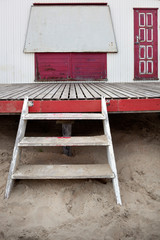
<point x="76" y="171"/>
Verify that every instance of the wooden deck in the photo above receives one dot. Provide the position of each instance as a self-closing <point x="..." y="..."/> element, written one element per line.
<point x="81" y="97"/>
<point x="76" y="91"/>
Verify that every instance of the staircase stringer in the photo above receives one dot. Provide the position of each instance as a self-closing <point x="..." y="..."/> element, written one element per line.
<point x="17" y="151"/>
<point x="110" y="151"/>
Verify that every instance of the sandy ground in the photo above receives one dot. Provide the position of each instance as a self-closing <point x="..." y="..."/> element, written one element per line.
<point x="85" y="209"/>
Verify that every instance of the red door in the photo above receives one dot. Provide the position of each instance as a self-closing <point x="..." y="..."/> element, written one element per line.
<point x="145" y="44"/>
<point x="71" y="66"/>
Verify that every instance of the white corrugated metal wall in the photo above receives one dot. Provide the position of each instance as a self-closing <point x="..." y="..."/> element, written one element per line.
<point x="18" y="67"/>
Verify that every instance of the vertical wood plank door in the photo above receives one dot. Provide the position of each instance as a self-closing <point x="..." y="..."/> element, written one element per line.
<point x="89" y="66"/>
<point x="145" y="44"/>
<point x="70" y="66"/>
<point x="50" y="66"/>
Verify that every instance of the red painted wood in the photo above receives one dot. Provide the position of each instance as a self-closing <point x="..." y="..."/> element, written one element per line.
<point x="52" y="66"/>
<point x="145" y="44"/>
<point x="89" y="66"/>
<point x="67" y="66"/>
<point x="117" y="105"/>
<point x="61" y="4"/>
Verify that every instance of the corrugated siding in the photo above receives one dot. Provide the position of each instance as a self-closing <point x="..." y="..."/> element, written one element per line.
<point x="121" y="66"/>
<point x="17" y="67"/>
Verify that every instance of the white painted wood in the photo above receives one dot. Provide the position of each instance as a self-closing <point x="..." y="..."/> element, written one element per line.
<point x="63" y="171"/>
<point x="64" y="141"/>
<point x="64" y="116"/>
<point x="78" y="171"/>
<point x="17" y="151"/>
<point x="17" y="67"/>
<point x="110" y="152"/>
<point x="70" y="28"/>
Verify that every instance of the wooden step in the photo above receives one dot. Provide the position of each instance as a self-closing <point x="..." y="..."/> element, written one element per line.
<point x="64" y="116"/>
<point x="64" y="141"/>
<point x="63" y="171"/>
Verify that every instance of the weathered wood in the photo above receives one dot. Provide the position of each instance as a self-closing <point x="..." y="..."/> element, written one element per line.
<point x="58" y="94"/>
<point x="64" y="141"/>
<point x="77" y="90"/>
<point x="80" y="94"/>
<point x="85" y="91"/>
<point x="39" y="92"/>
<point x="65" y="94"/>
<point x="104" y="90"/>
<point x="110" y="152"/>
<point x="52" y="91"/>
<point x="72" y="92"/>
<point x="30" y="93"/>
<point x="134" y="91"/>
<point x="118" y="93"/>
<point x="13" y="92"/>
<point x="127" y="93"/>
<point x="93" y="92"/>
<point x="43" y="93"/>
<point x="17" y="151"/>
<point x="63" y="171"/>
<point x="64" y="116"/>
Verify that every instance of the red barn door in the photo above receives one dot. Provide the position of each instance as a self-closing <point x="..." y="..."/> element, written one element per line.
<point x="145" y="44"/>
<point x="71" y="66"/>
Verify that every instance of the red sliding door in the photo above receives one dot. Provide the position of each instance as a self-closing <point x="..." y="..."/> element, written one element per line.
<point x="68" y="66"/>
<point x="145" y="44"/>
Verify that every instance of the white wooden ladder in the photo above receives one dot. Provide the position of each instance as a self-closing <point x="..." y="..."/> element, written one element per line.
<point x="76" y="171"/>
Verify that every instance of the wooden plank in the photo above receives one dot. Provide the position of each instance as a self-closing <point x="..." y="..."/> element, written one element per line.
<point x="92" y="91"/>
<point x="153" y="85"/>
<point x="38" y="91"/>
<point x="127" y="91"/>
<point x="135" y="89"/>
<point x="110" y="152"/>
<point x="13" y="93"/>
<point x="64" y="141"/>
<point x="147" y="85"/>
<point x="29" y="91"/>
<point x="65" y="94"/>
<point x="106" y="90"/>
<point x="100" y="90"/>
<point x="17" y="151"/>
<point x="85" y="91"/>
<point x="82" y="106"/>
<point x="59" y="92"/>
<point x="50" y="94"/>
<point x="95" y="90"/>
<point x="80" y="94"/>
<point x="43" y="93"/>
<point x="119" y="93"/>
<point x="72" y="92"/>
<point x="63" y="116"/>
<point x="63" y="171"/>
<point x="9" y="88"/>
<point x="151" y="90"/>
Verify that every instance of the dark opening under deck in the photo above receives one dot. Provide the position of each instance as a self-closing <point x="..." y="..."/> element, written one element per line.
<point x="81" y="97"/>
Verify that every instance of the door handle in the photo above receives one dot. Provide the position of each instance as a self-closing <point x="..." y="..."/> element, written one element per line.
<point x="137" y="40"/>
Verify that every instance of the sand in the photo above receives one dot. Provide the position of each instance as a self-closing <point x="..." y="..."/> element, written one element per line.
<point x="85" y="209"/>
